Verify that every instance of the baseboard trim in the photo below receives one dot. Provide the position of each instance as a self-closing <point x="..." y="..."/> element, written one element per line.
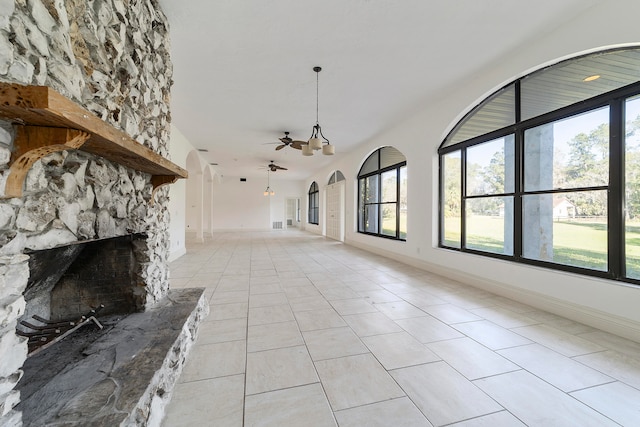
<point x="192" y="236"/>
<point x="590" y="316"/>
<point x="235" y="230"/>
<point x="174" y="255"/>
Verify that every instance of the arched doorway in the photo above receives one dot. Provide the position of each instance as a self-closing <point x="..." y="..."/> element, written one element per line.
<point x="207" y="200"/>
<point x="335" y="206"/>
<point x="194" y="198"/>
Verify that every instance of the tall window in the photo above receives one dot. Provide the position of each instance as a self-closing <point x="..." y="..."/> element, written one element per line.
<point x="547" y="170"/>
<point x="314" y="197"/>
<point x="382" y="194"/>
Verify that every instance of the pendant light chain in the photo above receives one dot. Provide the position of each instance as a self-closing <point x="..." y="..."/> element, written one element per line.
<point x="317" y="97"/>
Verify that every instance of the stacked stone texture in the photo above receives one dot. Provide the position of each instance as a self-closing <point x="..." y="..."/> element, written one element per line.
<point x="111" y="57"/>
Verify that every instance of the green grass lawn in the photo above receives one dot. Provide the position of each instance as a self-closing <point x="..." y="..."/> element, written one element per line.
<point x="389" y="225"/>
<point x="576" y="243"/>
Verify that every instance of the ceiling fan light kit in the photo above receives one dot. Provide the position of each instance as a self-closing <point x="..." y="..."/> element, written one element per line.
<point x="317" y="139"/>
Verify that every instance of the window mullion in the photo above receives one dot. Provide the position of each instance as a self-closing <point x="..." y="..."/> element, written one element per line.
<point x="463" y="199"/>
<point x="616" y="200"/>
<point x="518" y="174"/>
<point x="379" y="222"/>
<point x="518" y="187"/>
<point x="398" y="203"/>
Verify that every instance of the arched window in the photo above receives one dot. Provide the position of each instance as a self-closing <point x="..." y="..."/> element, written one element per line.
<point x="382" y="194"/>
<point x="546" y="171"/>
<point x="337" y="176"/>
<point x="314" y="197"/>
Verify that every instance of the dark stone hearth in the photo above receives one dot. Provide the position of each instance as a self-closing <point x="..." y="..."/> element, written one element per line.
<point x="112" y="375"/>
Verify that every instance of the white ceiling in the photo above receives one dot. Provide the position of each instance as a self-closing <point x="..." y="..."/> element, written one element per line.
<point x="243" y="69"/>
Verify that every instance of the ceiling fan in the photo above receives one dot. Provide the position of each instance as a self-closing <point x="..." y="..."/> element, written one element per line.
<point x="273" y="167"/>
<point x="286" y="141"/>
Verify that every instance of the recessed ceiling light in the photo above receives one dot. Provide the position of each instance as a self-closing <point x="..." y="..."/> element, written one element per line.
<point x="203" y="150"/>
<point x="591" y="78"/>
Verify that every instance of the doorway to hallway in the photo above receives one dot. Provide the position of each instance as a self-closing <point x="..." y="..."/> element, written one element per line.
<point x="334" y="218"/>
<point x="292" y="213"/>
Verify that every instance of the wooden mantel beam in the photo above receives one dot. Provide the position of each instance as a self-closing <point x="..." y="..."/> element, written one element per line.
<point x="40" y="107"/>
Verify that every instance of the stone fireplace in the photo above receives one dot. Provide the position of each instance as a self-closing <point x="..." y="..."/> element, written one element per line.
<point x="90" y="209"/>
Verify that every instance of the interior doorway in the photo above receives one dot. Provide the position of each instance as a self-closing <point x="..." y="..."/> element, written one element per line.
<point x="335" y="205"/>
<point x="292" y="213"/>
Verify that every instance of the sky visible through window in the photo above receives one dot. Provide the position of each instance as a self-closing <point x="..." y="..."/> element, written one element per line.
<point x="564" y="131"/>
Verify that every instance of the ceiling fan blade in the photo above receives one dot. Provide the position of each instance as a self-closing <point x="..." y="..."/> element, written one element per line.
<point x="298" y="144"/>
<point x="280" y="147"/>
<point x="281" y="168"/>
<point x="285" y="140"/>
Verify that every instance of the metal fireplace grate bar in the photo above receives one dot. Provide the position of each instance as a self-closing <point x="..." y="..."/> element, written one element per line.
<point x="43" y="336"/>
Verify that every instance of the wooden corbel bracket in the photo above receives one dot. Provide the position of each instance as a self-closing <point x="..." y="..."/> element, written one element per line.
<point x="33" y="143"/>
<point x="159" y="181"/>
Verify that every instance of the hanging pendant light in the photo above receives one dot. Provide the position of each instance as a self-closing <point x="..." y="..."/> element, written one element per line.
<point x="317" y="139"/>
<point x="268" y="191"/>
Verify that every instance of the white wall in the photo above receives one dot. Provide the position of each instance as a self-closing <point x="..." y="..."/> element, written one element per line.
<point x="194" y="207"/>
<point x="189" y="199"/>
<point x="240" y="205"/>
<point x="179" y="148"/>
<point x="606" y="304"/>
<point x="243" y="206"/>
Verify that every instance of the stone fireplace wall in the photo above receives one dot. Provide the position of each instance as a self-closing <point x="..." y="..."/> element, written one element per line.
<point x="112" y="57"/>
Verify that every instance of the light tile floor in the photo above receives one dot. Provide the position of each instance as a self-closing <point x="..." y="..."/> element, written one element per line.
<point x="305" y="331"/>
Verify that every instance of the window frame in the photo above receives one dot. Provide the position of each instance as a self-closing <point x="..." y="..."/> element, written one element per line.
<point x="379" y="203"/>
<point x="616" y="262"/>
<point x="314" y="204"/>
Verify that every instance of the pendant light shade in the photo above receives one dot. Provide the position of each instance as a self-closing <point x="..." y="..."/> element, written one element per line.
<point x="328" y="150"/>
<point x="307" y="150"/>
<point x="315" y="143"/>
